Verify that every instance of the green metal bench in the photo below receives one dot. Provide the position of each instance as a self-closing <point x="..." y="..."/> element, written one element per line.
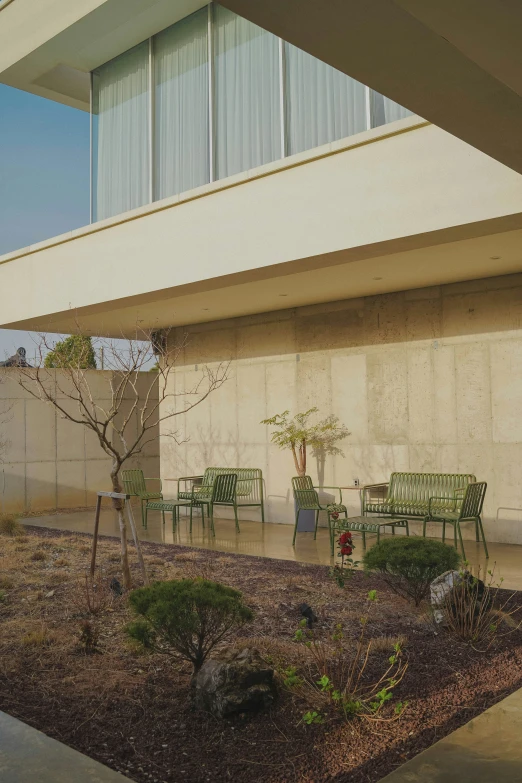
<point x="248" y="489"/>
<point x="466" y="507"/>
<point x="408" y="495"/>
<point x="307" y="499"/>
<point x="135" y="484"/>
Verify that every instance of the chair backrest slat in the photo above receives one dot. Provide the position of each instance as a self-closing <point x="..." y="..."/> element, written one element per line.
<point x="305" y="495"/>
<point x="133" y="482"/>
<point x="473" y="500"/>
<point x="224" y="488"/>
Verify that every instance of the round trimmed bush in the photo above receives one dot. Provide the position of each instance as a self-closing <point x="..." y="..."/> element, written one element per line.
<point x="186" y="616"/>
<point x="409" y="565"/>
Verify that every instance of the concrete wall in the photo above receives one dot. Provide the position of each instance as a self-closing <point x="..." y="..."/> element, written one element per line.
<point x="48" y="462"/>
<point x="425" y="380"/>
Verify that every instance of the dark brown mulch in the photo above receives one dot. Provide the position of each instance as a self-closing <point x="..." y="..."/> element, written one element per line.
<point x="133" y="712"/>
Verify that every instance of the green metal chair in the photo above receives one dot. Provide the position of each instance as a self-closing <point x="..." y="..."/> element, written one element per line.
<point x="307" y="499"/>
<point x="466" y="506"/>
<point x="222" y="493"/>
<point x="135" y="484"/>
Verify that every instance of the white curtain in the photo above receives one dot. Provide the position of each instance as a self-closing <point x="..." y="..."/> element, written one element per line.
<point x="182" y="127"/>
<point x="246" y="78"/>
<point x="384" y="110"/>
<point x="121" y="133"/>
<point x="323" y="104"/>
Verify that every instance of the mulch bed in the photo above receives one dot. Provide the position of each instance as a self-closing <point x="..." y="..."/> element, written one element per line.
<point x="132" y="711"/>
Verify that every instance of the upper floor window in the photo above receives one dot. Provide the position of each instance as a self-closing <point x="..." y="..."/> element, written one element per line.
<point x="209" y="97"/>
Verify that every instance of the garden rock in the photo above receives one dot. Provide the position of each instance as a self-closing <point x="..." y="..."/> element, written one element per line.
<point x="440" y="589"/>
<point x="234" y="681"/>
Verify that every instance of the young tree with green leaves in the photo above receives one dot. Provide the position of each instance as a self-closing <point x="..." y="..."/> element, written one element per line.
<point x="297" y="433"/>
<point x="75" y="351"/>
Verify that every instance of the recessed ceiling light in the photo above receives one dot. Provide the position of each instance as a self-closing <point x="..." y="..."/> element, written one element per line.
<point x="283" y="294"/>
<point x="494" y="258"/>
<point x="205" y="308"/>
<point x="377" y="278"/>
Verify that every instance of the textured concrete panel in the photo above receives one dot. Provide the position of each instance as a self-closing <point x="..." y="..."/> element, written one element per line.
<point x="70" y="483"/>
<point x="420" y="396"/>
<point x="445" y="395"/>
<point x="40" y="431"/>
<point x="41" y="485"/>
<point x="506" y="383"/>
<point x="473" y="393"/>
<point x="388" y="397"/>
<point x="349" y="395"/>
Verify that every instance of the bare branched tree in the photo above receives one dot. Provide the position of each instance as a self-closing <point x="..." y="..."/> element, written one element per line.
<point x="137" y="400"/>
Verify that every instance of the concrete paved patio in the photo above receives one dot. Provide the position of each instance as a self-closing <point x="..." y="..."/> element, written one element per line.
<point x="28" y="756"/>
<point x="266" y="540"/>
<point x="485" y="750"/>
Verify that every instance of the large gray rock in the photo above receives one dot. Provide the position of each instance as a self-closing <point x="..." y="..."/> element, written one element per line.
<point x="234" y="681"/>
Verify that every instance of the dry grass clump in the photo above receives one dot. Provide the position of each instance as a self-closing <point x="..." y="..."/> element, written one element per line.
<point x="10" y="526"/>
<point x="38" y="554"/>
<point x="387" y="643"/>
<point x="62" y="562"/>
<point x="6" y="583"/>
<point x="41" y="637"/>
<point x="58" y="577"/>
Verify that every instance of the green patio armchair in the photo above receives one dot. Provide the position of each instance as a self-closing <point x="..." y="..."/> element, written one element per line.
<point x="466" y="506"/>
<point x="223" y="492"/>
<point x="135" y="484"/>
<point x="307" y="499"/>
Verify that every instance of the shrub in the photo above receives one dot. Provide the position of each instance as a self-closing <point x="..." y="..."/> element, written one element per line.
<point x="89" y="637"/>
<point x="75" y="351"/>
<point x="38" y="555"/>
<point x="187" y="617"/>
<point x="477" y="612"/>
<point x="335" y="674"/>
<point x="10" y="526"/>
<point x="409" y="565"/>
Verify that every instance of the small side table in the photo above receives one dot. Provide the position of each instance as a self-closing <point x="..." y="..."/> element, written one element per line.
<point x="368" y="525"/>
<point x="166" y="505"/>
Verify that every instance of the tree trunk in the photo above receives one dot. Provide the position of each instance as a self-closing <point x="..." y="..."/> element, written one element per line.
<point x="297" y="464"/>
<point x="118" y="505"/>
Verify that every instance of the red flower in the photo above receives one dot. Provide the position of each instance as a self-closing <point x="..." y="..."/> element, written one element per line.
<point x="346" y="550"/>
<point x="345" y="538"/>
<point x="334" y="515"/>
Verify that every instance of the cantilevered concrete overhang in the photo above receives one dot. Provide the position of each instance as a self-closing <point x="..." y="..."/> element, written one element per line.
<point x="457" y="64"/>
<point x="399" y="207"/>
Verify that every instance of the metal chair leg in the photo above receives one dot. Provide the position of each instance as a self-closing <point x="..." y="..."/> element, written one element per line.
<point x="316" y="523"/>
<point x="457" y="525"/>
<point x="407" y="527"/>
<point x="235" y="515"/>
<point x="295" y="526"/>
<point x="443" y="532"/>
<point x="143" y="504"/>
<point x="211" y="516"/>
<point x="163" y="515"/>
<point x="145" y="517"/>
<point x="191" y="507"/>
<point x="483" y="537"/>
<point x="477" y="539"/>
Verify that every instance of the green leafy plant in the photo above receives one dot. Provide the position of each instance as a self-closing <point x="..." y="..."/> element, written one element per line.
<point x="409" y="564"/>
<point x="335" y="673"/>
<point x="297" y="433"/>
<point x="186" y="617"/>
<point x="291" y="678"/>
<point x="75" y="351"/>
<point x="312" y="717"/>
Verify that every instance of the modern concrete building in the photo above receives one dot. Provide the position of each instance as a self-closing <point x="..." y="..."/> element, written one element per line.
<point x="339" y="249"/>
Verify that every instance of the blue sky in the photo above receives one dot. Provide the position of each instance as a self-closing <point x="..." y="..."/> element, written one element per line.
<point x="44" y="178"/>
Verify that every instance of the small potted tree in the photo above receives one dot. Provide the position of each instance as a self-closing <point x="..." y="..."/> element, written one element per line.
<point x="298" y="433"/>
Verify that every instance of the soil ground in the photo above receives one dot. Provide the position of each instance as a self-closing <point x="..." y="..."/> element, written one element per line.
<point x="133" y="712"/>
